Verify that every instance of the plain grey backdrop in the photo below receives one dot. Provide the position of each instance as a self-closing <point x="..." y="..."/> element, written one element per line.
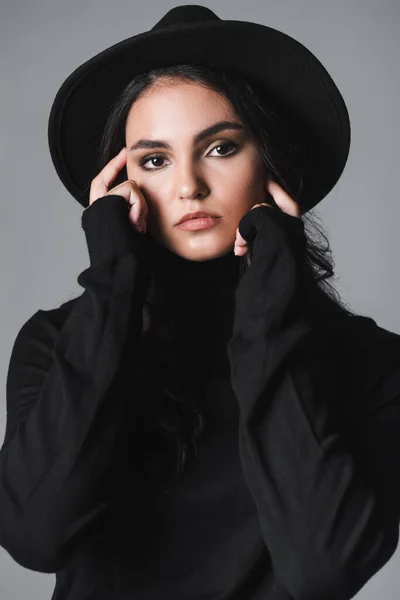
<point x="43" y="247"/>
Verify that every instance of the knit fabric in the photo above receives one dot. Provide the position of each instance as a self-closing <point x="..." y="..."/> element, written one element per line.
<point x="295" y="492"/>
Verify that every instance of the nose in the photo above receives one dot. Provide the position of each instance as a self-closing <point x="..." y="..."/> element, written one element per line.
<point x="189" y="181"/>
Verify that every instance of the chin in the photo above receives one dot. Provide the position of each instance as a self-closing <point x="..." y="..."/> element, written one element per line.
<point x="203" y="254"/>
<point x="197" y="254"/>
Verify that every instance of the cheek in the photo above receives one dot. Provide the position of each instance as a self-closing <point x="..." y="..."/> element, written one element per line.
<point x="158" y="216"/>
<point x="242" y="195"/>
<point x="129" y="172"/>
<point x="248" y="179"/>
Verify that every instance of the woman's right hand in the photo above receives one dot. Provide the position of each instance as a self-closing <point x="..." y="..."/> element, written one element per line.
<point x="128" y="189"/>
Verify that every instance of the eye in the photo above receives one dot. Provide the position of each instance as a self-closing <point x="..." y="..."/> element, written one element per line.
<point x="147" y="159"/>
<point x="222" y="144"/>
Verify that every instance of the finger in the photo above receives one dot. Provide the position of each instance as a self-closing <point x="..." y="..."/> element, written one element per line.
<point x="240" y="250"/>
<point x="103" y="180"/>
<point x="138" y="208"/>
<point x="111" y="170"/>
<point x="240" y="241"/>
<point x="261" y="204"/>
<point x="130" y="190"/>
<point x="282" y="199"/>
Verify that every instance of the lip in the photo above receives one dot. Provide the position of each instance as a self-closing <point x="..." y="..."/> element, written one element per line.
<point x="196" y="215"/>
<point x="197" y="224"/>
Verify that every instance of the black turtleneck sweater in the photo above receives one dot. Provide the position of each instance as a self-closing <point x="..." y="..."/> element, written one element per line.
<point x="295" y="491"/>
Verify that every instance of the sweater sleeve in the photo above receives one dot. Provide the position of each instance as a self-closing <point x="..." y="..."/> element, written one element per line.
<point x="62" y="418"/>
<point x="327" y="527"/>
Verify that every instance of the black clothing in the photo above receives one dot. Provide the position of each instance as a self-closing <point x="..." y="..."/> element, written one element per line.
<point x="296" y="490"/>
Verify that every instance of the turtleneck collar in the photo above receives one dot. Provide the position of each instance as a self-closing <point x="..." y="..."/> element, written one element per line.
<point x="201" y="295"/>
<point x="171" y="266"/>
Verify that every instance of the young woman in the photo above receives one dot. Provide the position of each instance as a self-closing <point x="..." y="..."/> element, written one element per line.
<point x="208" y="418"/>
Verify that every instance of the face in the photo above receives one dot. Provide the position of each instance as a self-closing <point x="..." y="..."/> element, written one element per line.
<point x="221" y="173"/>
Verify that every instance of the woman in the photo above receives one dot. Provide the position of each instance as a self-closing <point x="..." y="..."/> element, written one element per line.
<point x="207" y="419"/>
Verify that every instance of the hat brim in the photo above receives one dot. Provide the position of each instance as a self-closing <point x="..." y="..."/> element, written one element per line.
<point x="292" y="77"/>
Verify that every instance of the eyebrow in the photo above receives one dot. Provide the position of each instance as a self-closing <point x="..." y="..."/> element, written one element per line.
<point x="212" y="130"/>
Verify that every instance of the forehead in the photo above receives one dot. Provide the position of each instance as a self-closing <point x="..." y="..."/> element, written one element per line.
<point x="185" y="103"/>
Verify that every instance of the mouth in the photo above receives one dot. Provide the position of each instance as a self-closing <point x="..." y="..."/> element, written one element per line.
<point x="196" y="215"/>
<point x="199" y="223"/>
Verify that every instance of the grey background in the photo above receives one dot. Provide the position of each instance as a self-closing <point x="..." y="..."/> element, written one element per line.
<point x="43" y="248"/>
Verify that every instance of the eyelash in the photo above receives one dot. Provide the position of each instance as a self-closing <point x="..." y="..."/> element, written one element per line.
<point x="148" y="158"/>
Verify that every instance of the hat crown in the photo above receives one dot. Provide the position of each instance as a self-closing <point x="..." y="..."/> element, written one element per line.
<point x="188" y="13"/>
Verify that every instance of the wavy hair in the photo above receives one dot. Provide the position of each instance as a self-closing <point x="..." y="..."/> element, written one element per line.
<point x="168" y="427"/>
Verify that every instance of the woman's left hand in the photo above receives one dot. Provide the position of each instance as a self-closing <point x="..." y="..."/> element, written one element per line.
<point x="282" y="199"/>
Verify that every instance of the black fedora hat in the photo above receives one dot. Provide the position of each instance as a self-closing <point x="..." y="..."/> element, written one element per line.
<point x="294" y="80"/>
